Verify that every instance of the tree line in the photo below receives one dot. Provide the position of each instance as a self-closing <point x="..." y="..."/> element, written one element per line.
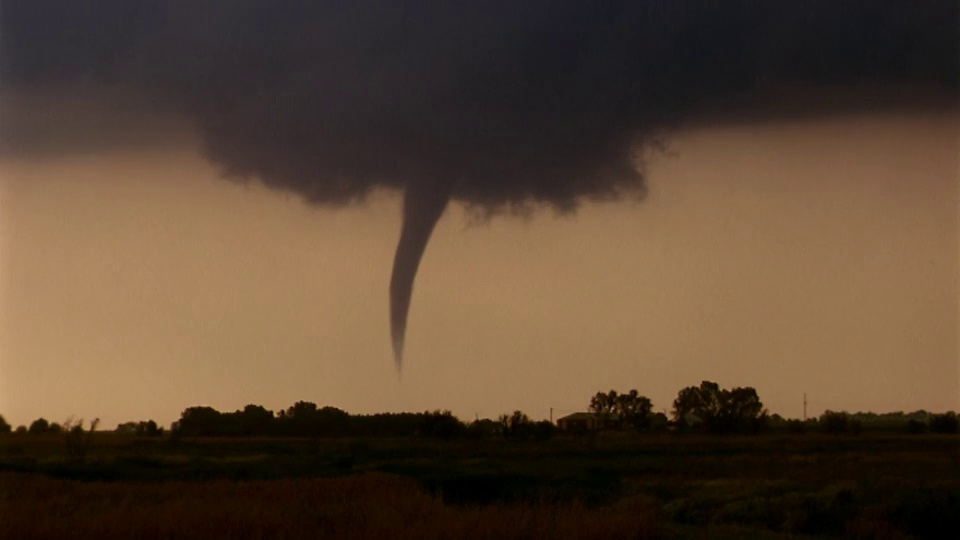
<point x="712" y="409"/>
<point x="306" y="419"/>
<point x="705" y="408"/>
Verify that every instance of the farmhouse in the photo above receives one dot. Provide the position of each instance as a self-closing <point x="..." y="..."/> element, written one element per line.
<point x="579" y="422"/>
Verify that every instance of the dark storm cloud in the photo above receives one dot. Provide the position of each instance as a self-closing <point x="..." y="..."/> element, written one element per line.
<point x="505" y="101"/>
<point x="497" y="104"/>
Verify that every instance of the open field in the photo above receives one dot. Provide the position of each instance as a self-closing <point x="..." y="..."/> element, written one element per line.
<point x="616" y="485"/>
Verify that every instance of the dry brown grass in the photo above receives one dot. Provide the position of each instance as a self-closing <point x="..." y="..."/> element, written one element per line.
<point x="367" y="506"/>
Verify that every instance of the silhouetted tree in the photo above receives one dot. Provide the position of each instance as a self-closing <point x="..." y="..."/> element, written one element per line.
<point x="302" y="419"/>
<point x="332" y="421"/>
<point x="200" y="421"/>
<point x="741" y="411"/>
<point x="148" y="429"/>
<point x="255" y="420"/>
<point x="838" y="422"/>
<point x="690" y="404"/>
<point x="439" y="424"/>
<point x="40" y="425"/>
<point x="633" y="409"/>
<point x="483" y="428"/>
<point x="604" y="406"/>
<point x="4" y="426"/>
<point x="720" y="410"/>
<point x="302" y="410"/>
<point x="694" y="405"/>
<point x="516" y="426"/>
<point x="129" y="428"/>
<point x="20" y="429"/>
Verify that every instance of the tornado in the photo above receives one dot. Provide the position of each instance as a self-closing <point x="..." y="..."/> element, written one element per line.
<point x="422" y="208"/>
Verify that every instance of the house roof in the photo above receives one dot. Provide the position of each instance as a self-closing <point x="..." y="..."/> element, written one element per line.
<point x="577" y="416"/>
<point x="583" y="416"/>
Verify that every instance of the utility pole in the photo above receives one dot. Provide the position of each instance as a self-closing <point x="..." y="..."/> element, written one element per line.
<point x="804" y="406"/>
<point x="551" y="415"/>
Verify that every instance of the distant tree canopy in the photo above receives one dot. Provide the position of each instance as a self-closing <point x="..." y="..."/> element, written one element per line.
<point x="4" y="426"/>
<point x="484" y="428"/>
<point x="143" y="429"/>
<point x="708" y="407"/>
<point x="719" y="410"/>
<point x="917" y="422"/>
<point x="603" y="404"/>
<point x="616" y="410"/>
<point x="439" y="424"/>
<point x="41" y="425"/>
<point x="838" y="422"/>
<point x="518" y="426"/>
<point x="306" y="419"/>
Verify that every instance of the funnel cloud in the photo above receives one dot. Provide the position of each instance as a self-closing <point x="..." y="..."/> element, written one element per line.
<point x="501" y="106"/>
<point x="422" y="207"/>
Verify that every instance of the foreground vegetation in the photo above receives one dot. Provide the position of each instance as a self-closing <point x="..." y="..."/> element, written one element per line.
<point x="361" y="506"/>
<point x="615" y="484"/>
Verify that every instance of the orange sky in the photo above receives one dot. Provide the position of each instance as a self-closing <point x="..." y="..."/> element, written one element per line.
<point x="802" y="257"/>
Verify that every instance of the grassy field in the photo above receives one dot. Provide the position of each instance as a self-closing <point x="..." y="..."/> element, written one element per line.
<point x="614" y="486"/>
